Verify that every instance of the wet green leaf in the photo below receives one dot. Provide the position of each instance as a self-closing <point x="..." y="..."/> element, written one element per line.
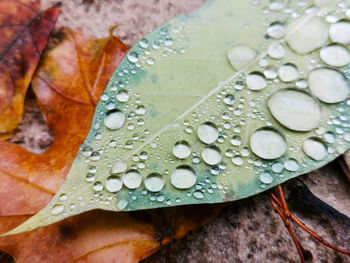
<point x="215" y="106"/>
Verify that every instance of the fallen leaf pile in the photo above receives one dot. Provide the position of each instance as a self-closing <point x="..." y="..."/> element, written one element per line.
<point x="67" y="84"/>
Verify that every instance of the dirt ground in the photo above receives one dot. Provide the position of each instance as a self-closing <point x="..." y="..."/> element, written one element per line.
<point x="245" y="231"/>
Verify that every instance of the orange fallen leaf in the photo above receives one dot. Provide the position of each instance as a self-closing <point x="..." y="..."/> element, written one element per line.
<point x="68" y="85"/>
<point x="24" y="33"/>
<point x="103" y="236"/>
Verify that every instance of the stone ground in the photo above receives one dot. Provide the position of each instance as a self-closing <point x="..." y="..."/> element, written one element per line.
<point x="245" y="231"/>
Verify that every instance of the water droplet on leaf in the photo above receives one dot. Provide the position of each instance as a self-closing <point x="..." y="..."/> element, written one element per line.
<point x="183" y="177"/>
<point x="154" y="182"/>
<point x="132" y="179"/>
<point x="268" y="143"/>
<point x="295" y="109"/>
<point x="114" y="120"/>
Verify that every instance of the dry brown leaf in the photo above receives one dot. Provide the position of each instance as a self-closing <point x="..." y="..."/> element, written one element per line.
<point x="24" y="33"/>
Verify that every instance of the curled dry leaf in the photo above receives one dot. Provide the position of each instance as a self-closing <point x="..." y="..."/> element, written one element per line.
<point x="68" y="85"/>
<point x="24" y="32"/>
<point x="102" y="236"/>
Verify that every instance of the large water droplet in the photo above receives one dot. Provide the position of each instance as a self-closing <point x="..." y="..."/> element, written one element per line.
<point x="57" y="209"/>
<point x="211" y="155"/>
<point x="335" y="55"/>
<point x="181" y="150"/>
<point x="288" y="73"/>
<point x="340" y="32"/>
<point x="328" y="85"/>
<point x="315" y="149"/>
<point x="268" y="143"/>
<point x="304" y="35"/>
<point x="295" y="109"/>
<point x="113" y="183"/>
<point x="114" y="120"/>
<point x="240" y="56"/>
<point x="184" y="177"/>
<point x="132" y="179"/>
<point x="256" y="81"/>
<point x="208" y="132"/>
<point x="154" y="182"/>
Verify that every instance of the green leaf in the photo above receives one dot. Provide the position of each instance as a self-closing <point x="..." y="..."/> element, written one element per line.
<point x="215" y="106"/>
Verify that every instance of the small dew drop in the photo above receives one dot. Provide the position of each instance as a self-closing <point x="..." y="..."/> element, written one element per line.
<point x="276" y="51"/>
<point x="240" y="56"/>
<point x="237" y="160"/>
<point x="288" y="73"/>
<point x="57" y="209"/>
<point x="87" y="151"/>
<point x="133" y="57"/>
<point x="198" y="195"/>
<point x="119" y="167"/>
<point x="236" y="140"/>
<point x="144" y="43"/>
<point x="329" y="137"/>
<point x="122" y="96"/>
<point x="229" y="99"/>
<point x="90" y="177"/>
<point x="277" y="167"/>
<point x="114" y="120"/>
<point x="122" y="204"/>
<point x="266" y="178"/>
<point x="276" y="30"/>
<point x="98" y="186"/>
<point x="291" y="165"/>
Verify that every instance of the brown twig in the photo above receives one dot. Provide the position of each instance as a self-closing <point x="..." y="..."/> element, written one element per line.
<point x="281" y="205"/>
<point x="288" y="225"/>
